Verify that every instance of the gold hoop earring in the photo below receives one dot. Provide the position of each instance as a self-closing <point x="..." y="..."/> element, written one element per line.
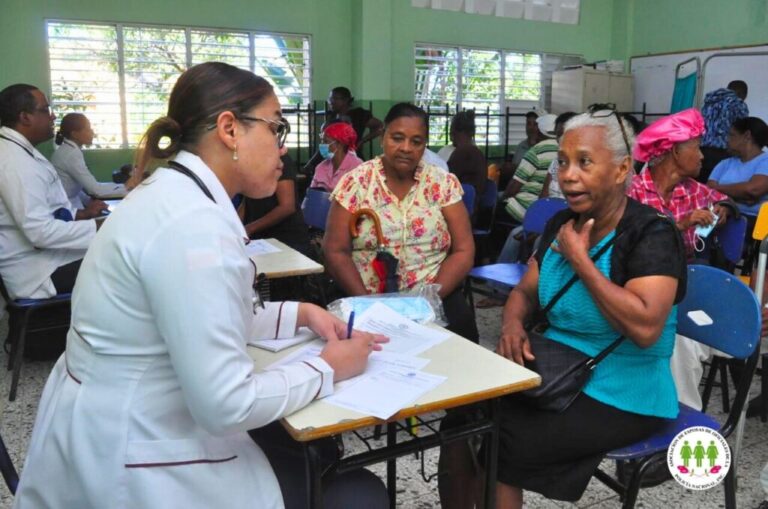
<point x="234" y="153"/>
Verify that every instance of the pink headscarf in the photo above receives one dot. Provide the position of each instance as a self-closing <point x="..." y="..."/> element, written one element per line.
<point x="659" y="137"/>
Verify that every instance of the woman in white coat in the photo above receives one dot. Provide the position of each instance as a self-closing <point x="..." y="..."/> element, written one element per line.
<point x="78" y="181"/>
<point x="150" y="404"/>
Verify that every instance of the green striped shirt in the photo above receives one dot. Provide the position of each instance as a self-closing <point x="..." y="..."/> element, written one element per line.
<point x="531" y="173"/>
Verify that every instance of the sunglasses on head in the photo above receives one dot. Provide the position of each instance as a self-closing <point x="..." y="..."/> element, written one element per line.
<point x="607" y="110"/>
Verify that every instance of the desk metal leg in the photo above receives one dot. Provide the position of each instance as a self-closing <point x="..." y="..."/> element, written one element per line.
<point x="392" y="466"/>
<point x="492" y="455"/>
<point x="314" y="477"/>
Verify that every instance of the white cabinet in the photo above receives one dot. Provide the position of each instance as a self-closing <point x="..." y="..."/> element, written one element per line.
<point x="576" y="89"/>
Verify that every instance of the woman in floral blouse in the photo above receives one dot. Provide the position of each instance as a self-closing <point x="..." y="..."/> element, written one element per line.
<point x="424" y="222"/>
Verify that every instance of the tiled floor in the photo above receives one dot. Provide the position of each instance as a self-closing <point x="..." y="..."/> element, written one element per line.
<point x="16" y="420"/>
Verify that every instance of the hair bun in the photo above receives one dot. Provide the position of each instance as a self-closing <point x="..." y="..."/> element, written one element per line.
<point x="164" y="127"/>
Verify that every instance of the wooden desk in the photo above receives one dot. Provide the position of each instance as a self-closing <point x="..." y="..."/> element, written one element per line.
<point x="473" y="373"/>
<point x="288" y="262"/>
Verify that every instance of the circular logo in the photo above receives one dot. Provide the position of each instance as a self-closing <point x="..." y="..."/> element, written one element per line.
<point x="699" y="458"/>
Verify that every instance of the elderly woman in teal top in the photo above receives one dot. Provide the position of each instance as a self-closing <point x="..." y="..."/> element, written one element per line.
<point x="631" y="291"/>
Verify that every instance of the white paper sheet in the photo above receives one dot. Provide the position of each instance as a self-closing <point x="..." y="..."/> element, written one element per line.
<point x="275" y="345"/>
<point x="406" y="337"/>
<point x="309" y="351"/>
<point x="385" y="393"/>
<point x="260" y="247"/>
<point x="377" y="362"/>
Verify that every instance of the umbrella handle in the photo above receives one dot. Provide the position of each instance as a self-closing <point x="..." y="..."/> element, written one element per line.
<point x="376" y="224"/>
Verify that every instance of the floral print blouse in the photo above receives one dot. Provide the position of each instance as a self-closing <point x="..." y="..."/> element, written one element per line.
<point x="415" y="230"/>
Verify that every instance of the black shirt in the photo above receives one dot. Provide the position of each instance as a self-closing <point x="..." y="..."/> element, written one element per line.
<point x="647" y="244"/>
<point x="292" y="230"/>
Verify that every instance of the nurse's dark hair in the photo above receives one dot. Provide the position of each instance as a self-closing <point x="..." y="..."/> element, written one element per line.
<point x="70" y="122"/>
<point x="757" y="129"/>
<point x="200" y="94"/>
<point x="401" y="110"/>
<point x="14" y="100"/>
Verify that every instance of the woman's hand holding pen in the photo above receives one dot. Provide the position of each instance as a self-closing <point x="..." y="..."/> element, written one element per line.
<point x="347" y="358"/>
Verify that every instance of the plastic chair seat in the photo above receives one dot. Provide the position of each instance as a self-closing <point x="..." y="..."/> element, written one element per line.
<point x="508" y="274"/>
<point x="660" y="441"/>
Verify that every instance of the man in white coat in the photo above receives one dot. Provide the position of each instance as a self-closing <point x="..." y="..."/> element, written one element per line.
<point x="42" y="239"/>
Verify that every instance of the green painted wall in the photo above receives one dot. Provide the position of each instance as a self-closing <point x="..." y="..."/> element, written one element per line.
<point x="22" y="27"/>
<point x="661" y="26"/>
<point x="364" y="44"/>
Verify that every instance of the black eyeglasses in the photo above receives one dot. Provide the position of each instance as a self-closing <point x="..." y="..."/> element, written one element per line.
<point x="281" y="130"/>
<point x="44" y="109"/>
<point x="606" y="110"/>
<point x="282" y="127"/>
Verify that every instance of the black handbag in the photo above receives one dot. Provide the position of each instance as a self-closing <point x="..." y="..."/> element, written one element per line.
<point x="564" y="371"/>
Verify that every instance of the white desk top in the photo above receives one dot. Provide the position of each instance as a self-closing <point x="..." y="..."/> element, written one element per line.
<point x="287" y="262"/>
<point x="474" y="374"/>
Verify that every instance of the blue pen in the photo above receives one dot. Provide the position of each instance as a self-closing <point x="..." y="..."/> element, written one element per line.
<point x="350" y="324"/>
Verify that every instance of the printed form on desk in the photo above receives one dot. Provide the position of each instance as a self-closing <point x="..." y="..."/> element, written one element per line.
<point x="260" y="247"/>
<point x="393" y="379"/>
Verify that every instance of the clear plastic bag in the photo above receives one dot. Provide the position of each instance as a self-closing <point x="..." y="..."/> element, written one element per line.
<point x="422" y="305"/>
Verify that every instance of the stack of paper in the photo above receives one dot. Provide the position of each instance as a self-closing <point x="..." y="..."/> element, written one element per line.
<point x="393" y="378"/>
<point x="275" y="345"/>
<point x="260" y="247"/>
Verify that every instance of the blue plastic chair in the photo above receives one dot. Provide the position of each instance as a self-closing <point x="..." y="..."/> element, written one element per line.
<point x="487" y="205"/>
<point x="735" y="313"/>
<point x="315" y="208"/>
<point x="469" y="198"/>
<point x="20" y="324"/>
<point x="510" y="274"/>
<point x="731" y="238"/>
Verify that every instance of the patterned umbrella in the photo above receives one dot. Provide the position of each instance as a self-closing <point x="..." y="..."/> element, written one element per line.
<point x="385" y="264"/>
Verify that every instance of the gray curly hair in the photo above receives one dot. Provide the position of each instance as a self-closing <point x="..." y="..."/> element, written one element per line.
<point x="614" y="137"/>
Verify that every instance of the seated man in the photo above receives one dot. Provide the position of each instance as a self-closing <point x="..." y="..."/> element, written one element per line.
<point x="527" y="184"/>
<point x="42" y="239"/>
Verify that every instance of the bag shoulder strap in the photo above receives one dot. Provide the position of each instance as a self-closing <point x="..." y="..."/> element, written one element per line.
<point x="567" y="286"/>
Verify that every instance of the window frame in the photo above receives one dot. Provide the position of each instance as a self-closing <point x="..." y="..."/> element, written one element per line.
<point x="119" y="26"/>
<point x="502" y="78"/>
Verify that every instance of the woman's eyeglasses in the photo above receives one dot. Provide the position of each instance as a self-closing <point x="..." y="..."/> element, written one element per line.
<point x="281" y="127"/>
<point x="607" y="110"/>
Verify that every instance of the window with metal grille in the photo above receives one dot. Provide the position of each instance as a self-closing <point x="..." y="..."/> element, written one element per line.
<point x="448" y="79"/>
<point x="121" y="75"/>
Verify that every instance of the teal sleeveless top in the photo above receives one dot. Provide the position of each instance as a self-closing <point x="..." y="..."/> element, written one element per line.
<point x="630" y="378"/>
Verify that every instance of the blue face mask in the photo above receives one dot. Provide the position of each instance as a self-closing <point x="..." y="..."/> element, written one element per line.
<point x="325" y="150"/>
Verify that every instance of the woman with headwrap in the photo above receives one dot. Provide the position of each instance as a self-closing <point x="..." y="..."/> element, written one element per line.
<point x="671" y="148"/>
<point x="338" y="151"/>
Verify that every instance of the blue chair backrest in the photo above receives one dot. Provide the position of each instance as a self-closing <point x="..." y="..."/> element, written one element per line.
<point x="316" y="207"/>
<point x="490" y="195"/>
<point x="731" y="237"/>
<point x="727" y="312"/>
<point x="469" y="197"/>
<point x="540" y="212"/>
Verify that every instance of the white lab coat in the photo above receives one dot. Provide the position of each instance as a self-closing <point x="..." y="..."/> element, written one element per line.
<point x="77" y="179"/>
<point x="150" y="403"/>
<point x="32" y="243"/>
